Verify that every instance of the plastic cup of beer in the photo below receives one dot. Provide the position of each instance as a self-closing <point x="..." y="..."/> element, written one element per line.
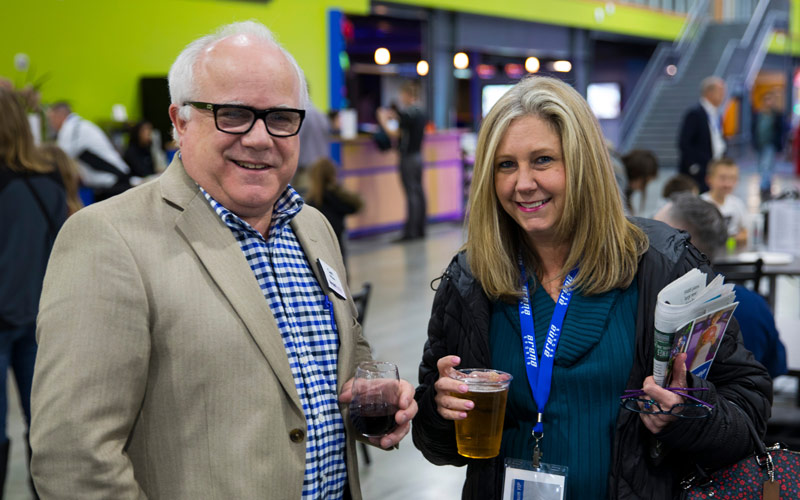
<point x="479" y="435"/>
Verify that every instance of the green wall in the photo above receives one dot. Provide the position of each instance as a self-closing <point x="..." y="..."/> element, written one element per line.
<point x="94" y="51"/>
<point x="626" y="19"/>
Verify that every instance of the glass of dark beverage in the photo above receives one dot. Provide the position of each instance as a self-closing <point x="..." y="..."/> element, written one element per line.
<point x="376" y="390"/>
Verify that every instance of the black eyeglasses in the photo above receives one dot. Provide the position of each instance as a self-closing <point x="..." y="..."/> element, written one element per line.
<point x="237" y="119"/>
<point x="633" y="400"/>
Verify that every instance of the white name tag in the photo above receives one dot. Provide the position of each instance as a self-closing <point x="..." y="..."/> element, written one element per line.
<point x="331" y="279"/>
<point x="525" y="482"/>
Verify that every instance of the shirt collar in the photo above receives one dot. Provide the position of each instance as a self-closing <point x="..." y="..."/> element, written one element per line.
<point x="288" y="205"/>
<point x="710" y="108"/>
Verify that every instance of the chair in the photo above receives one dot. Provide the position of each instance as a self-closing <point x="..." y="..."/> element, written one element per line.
<point x="361" y="299"/>
<point x="747" y="274"/>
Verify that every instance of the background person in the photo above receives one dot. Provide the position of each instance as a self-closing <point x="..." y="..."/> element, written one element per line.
<point x="32" y="209"/>
<point x="722" y="178"/>
<point x="314" y="145"/>
<point x="101" y="167"/>
<point x="768" y="133"/>
<point x="410" y="131"/>
<point x="700" y="136"/>
<point x="331" y="198"/>
<point x="543" y="190"/>
<point x="679" y="183"/>
<point x="641" y="167"/>
<point x="68" y="172"/>
<point x="138" y="154"/>
<point x="188" y="345"/>
<point x="703" y="221"/>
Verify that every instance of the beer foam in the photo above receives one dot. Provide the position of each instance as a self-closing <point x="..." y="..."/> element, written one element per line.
<point x="484" y="386"/>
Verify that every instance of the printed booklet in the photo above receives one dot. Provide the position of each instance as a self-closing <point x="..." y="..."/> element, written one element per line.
<point x="691" y="317"/>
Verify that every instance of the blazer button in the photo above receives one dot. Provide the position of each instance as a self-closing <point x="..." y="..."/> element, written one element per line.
<point x="297" y="435"/>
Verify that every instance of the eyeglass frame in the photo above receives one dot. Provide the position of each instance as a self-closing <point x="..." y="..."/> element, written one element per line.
<point x="257" y="114"/>
<point x="635" y="395"/>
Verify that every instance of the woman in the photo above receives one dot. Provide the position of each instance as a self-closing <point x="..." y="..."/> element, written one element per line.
<point x="543" y="192"/>
<point x="32" y="209"/>
<point x="330" y="198"/>
<point x="67" y="170"/>
<point x="138" y="156"/>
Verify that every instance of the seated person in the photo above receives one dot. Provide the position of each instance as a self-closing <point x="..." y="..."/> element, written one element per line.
<point x="704" y="222"/>
<point x="641" y="167"/>
<point x="722" y="177"/>
<point x="679" y="183"/>
<point x="138" y="156"/>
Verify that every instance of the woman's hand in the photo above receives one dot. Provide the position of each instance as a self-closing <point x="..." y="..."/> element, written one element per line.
<point x="655" y="423"/>
<point x="450" y="407"/>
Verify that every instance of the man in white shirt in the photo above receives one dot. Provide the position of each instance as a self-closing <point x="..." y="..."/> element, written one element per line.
<point x="100" y="165"/>
<point x="700" y="136"/>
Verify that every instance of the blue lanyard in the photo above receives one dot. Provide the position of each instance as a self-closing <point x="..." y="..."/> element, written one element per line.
<point x="540" y="377"/>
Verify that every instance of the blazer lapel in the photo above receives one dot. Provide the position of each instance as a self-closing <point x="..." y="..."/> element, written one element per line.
<point x="224" y="261"/>
<point x="309" y="231"/>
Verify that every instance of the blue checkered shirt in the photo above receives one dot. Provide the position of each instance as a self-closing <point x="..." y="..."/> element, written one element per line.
<point x="304" y="316"/>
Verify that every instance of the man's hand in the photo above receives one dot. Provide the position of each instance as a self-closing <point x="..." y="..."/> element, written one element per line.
<point x="407" y="409"/>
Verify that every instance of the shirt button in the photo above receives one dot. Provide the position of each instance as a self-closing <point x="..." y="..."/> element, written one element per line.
<point x="297" y="435"/>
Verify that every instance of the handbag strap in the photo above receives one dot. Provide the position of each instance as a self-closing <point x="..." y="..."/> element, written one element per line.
<point x="701" y="477"/>
<point x="51" y="226"/>
<point x="760" y="448"/>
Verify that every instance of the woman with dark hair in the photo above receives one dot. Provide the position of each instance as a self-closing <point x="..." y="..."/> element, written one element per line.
<point x="329" y="197"/>
<point x="32" y="209"/>
<point x="138" y="156"/>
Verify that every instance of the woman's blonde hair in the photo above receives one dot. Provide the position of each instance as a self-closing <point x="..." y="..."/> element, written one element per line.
<point x="603" y="243"/>
<point x="17" y="149"/>
<point x="68" y="169"/>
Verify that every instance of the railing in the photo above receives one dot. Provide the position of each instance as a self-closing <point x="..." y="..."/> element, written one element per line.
<point x="666" y="53"/>
<point x="742" y="59"/>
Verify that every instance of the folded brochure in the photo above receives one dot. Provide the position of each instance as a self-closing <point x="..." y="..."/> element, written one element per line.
<point x="691" y="317"/>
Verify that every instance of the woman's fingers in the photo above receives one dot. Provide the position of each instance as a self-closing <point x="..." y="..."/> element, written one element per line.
<point x="448" y="404"/>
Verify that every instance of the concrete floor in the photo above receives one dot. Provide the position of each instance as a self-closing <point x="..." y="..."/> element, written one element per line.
<point x="396" y="324"/>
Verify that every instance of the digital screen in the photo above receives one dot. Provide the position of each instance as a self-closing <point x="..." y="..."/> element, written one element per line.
<point x="604" y="99"/>
<point x="491" y="94"/>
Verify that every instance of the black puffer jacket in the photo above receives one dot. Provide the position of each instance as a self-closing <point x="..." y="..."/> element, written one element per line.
<point x="643" y="466"/>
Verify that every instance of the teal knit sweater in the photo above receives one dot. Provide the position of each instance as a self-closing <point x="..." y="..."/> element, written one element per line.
<point x="592" y="363"/>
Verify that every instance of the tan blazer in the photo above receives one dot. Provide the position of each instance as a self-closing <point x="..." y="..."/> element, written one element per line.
<point x="161" y="372"/>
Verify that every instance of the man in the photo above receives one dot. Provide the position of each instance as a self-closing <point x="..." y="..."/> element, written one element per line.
<point x="100" y="166"/>
<point x="196" y="332"/>
<point x="314" y="144"/>
<point x="707" y="227"/>
<point x="410" y="131"/>
<point x="768" y="131"/>
<point x="700" y="137"/>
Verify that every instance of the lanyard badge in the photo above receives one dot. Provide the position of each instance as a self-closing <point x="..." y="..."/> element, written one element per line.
<point x="540" y="373"/>
<point x="523" y="478"/>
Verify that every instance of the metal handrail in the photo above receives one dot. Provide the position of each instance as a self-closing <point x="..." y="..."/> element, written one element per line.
<point x="758" y="14"/>
<point x="675" y="52"/>
<point x="759" y="52"/>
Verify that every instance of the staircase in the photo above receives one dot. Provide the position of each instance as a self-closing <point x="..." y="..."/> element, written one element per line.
<point x="670" y="98"/>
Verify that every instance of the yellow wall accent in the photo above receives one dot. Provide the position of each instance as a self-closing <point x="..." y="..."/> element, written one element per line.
<point x="628" y="19"/>
<point x="95" y="51"/>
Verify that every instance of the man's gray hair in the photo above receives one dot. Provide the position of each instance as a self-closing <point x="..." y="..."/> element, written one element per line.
<point x="181" y="75"/>
<point x="710" y="82"/>
<point x="702" y="220"/>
